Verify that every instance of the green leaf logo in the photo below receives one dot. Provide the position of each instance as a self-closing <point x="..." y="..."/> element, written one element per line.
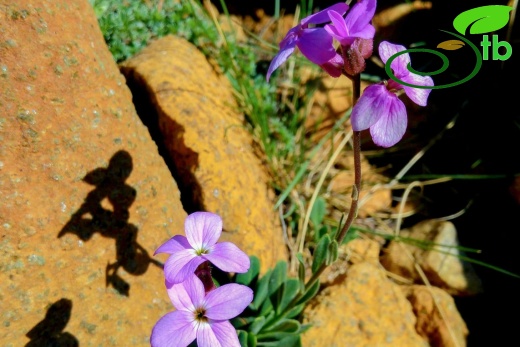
<point x="482" y="20"/>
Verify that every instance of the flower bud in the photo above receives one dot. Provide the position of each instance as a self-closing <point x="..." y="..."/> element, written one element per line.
<point x="356" y="54"/>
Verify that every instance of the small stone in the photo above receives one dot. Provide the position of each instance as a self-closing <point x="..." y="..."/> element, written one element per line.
<point x="440" y="262"/>
<point x="438" y="320"/>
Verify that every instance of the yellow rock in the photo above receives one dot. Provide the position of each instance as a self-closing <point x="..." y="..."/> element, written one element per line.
<point x="209" y="145"/>
<point x="364" y="309"/>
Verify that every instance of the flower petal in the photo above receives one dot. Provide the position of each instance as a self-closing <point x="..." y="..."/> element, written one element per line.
<point x="180" y="265"/>
<point x="367" y="32"/>
<point x="175" y="329"/>
<point x="203" y="229"/>
<point x="175" y="244"/>
<point x="371" y="105"/>
<point x="322" y="16"/>
<point x="359" y="18"/>
<point x="418" y="95"/>
<point x="291" y="37"/>
<point x="206" y="337"/>
<point x="225" y="333"/>
<point x="279" y="59"/>
<point x="316" y="45"/>
<point x="228" y="257"/>
<point x="227" y="301"/>
<point x="337" y="29"/>
<point x="399" y="65"/>
<point x="391" y="127"/>
<point x="187" y="295"/>
<point x="334" y="67"/>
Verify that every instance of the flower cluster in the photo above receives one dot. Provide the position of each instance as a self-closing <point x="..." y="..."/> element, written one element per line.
<point x="379" y="108"/>
<point x="202" y="310"/>
<point x="354" y="33"/>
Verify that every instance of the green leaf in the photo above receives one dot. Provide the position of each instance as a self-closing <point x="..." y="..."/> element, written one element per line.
<point x="295" y="311"/>
<point x="318" y="212"/>
<point x="276" y="281"/>
<point x="352" y="234"/>
<point x="251" y="340"/>
<point x="482" y="20"/>
<point x="274" y="335"/>
<point x="291" y="288"/>
<point x="267" y="308"/>
<point x="240" y="322"/>
<point x="261" y="291"/>
<point x="305" y="327"/>
<point x="291" y="341"/>
<point x="321" y="232"/>
<point x="242" y="338"/>
<point x="310" y="293"/>
<point x="286" y="326"/>
<point x="257" y="325"/>
<point x="278" y="276"/>
<point x="251" y="274"/>
<point x="332" y="254"/>
<point x="301" y="271"/>
<point x="320" y="253"/>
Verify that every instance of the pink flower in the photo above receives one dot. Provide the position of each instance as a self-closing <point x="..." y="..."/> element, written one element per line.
<point x="380" y="109"/>
<point x="355" y="34"/>
<point x="314" y="43"/>
<point x="201" y="316"/>
<point x="203" y="229"/>
<point x="355" y="25"/>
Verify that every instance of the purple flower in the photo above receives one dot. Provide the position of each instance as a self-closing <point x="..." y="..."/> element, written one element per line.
<point x="355" y="34"/>
<point x="355" y="25"/>
<point x="201" y="316"/>
<point x="314" y="43"/>
<point x="202" y="229"/>
<point x="380" y="109"/>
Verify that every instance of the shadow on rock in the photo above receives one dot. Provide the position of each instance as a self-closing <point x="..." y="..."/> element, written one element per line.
<point x="161" y="128"/>
<point x="92" y="217"/>
<point x="49" y="332"/>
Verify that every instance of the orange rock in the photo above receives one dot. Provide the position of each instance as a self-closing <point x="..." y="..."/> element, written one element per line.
<point x="441" y="330"/>
<point x="363" y="250"/>
<point x="439" y="258"/>
<point x="85" y="199"/>
<point x="208" y="143"/>
<point x="365" y="309"/>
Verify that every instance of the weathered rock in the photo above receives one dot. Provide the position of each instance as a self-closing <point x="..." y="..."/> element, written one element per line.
<point x="446" y="329"/>
<point x="85" y="199"/>
<point x="439" y="261"/>
<point x="365" y="309"/>
<point x="363" y="250"/>
<point x="211" y="150"/>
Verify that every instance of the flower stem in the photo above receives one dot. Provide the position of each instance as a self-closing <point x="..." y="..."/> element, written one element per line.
<point x="356" y="147"/>
<point x="352" y="212"/>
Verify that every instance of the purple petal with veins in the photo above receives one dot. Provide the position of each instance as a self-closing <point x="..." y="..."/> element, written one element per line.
<point x="228" y="257"/>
